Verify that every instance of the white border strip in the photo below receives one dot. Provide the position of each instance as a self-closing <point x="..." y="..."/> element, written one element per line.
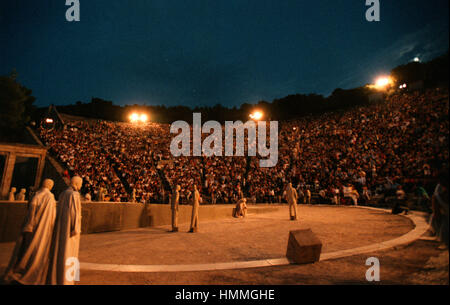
<point x="421" y="227"/>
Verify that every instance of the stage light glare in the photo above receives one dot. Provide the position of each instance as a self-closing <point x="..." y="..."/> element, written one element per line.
<point x="134" y="117"/>
<point x="143" y="118"/>
<point x="383" y="82"/>
<point x="49" y="121"/>
<point x="256" y="115"/>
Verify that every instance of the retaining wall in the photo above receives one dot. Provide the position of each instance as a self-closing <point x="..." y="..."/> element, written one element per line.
<point x="107" y="216"/>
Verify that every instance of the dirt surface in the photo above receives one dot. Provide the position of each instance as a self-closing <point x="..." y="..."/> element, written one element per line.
<point x="400" y="266"/>
<point x="256" y="237"/>
<point x="259" y="236"/>
<point x="262" y="236"/>
<point x="435" y="271"/>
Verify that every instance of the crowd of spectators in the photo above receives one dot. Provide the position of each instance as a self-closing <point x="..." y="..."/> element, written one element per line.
<point x="344" y="157"/>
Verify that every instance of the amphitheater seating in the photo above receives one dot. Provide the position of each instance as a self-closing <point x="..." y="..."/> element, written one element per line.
<point x="403" y="140"/>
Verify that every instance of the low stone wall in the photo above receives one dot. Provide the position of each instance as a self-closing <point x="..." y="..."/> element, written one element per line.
<point x="12" y="216"/>
<point x="107" y="216"/>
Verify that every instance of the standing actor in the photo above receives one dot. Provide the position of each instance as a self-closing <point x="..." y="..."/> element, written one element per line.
<point x="195" y="205"/>
<point x="30" y="259"/>
<point x="174" y="206"/>
<point x="66" y="238"/>
<point x="291" y="197"/>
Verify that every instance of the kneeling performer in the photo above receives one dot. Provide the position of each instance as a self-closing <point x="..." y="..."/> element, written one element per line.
<point x="241" y="208"/>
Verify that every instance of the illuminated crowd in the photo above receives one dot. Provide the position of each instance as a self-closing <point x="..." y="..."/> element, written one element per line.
<point x="360" y="153"/>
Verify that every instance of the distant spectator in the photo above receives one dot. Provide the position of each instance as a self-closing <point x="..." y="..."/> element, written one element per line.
<point x="400" y="202"/>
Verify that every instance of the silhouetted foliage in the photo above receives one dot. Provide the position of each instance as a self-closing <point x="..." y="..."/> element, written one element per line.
<point x="432" y="73"/>
<point x="16" y="104"/>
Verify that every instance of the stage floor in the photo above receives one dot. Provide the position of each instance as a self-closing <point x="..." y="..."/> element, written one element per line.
<point x="232" y="240"/>
<point x="256" y="237"/>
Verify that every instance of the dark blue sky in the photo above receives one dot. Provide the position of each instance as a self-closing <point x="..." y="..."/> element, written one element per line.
<point x="194" y="52"/>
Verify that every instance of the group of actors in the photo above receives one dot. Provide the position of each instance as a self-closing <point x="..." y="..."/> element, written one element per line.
<point x="240" y="211"/>
<point x="46" y="251"/>
<point x="174" y="203"/>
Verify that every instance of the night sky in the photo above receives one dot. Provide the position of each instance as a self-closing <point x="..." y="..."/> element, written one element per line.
<point x="194" y="52"/>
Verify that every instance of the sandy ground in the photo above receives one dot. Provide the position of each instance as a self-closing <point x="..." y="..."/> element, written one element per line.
<point x="259" y="237"/>
<point x="401" y="266"/>
<point x="256" y="237"/>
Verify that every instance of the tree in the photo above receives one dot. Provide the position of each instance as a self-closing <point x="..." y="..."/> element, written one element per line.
<point x="433" y="73"/>
<point x="409" y="73"/>
<point x="16" y="104"/>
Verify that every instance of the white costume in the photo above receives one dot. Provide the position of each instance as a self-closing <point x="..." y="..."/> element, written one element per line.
<point x="291" y="197"/>
<point x="174" y="207"/>
<point x="30" y="259"/>
<point x="195" y="205"/>
<point x="241" y="208"/>
<point x="66" y="238"/>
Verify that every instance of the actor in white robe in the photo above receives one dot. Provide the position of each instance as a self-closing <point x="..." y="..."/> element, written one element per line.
<point x="30" y="259"/>
<point x="174" y="201"/>
<point x="66" y="237"/>
<point x="241" y="208"/>
<point x="291" y="197"/>
<point x="195" y="206"/>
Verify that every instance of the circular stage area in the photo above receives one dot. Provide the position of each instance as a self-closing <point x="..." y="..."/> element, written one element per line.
<point x="252" y="250"/>
<point x="258" y="240"/>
